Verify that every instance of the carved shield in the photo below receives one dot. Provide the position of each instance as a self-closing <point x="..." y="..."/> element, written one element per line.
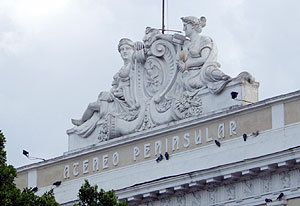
<point x="158" y="74"/>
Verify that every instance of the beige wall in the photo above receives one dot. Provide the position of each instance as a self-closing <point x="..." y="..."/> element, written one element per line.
<point x="247" y="122"/>
<point x="292" y="112"/>
<point x="293" y="202"/>
<point x="22" y="180"/>
<point x="50" y="174"/>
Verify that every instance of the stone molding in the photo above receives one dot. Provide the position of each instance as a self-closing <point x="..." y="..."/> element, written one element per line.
<point x="267" y="161"/>
<point x="162" y="129"/>
<point x="277" y="203"/>
<point x="249" y="183"/>
<point x="162" y="80"/>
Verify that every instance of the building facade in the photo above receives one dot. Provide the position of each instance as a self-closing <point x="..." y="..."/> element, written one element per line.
<point x="242" y="171"/>
<point x="178" y="131"/>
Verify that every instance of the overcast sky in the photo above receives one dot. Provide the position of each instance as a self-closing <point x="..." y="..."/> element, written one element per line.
<point x="57" y="55"/>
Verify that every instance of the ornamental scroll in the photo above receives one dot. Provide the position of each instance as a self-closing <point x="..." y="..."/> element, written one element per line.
<point x="163" y="79"/>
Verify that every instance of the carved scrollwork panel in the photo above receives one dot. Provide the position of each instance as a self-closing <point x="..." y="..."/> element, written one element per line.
<point x="188" y="106"/>
<point x="165" y="54"/>
<point x="153" y="76"/>
<point x="196" y="198"/>
<point x="248" y="188"/>
<point x="103" y="131"/>
<point x="285" y="179"/>
<point x="230" y="192"/>
<point x="181" y="200"/>
<point x="266" y="182"/>
<point x="164" y="105"/>
<point x="212" y="195"/>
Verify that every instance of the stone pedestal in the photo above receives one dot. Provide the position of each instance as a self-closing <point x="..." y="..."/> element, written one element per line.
<point x="247" y="92"/>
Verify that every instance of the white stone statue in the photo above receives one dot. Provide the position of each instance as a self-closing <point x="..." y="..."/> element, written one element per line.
<point x="199" y="59"/>
<point x="118" y="101"/>
<point x="165" y="78"/>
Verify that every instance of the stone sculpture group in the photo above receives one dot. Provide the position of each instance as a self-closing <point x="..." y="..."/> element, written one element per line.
<point x="162" y="80"/>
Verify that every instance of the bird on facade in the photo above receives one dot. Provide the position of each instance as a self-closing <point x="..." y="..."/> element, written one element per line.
<point x="57" y="183"/>
<point x="255" y="134"/>
<point x="35" y="189"/>
<point x="268" y="200"/>
<point x="234" y="95"/>
<point x="217" y="143"/>
<point x="280" y="196"/>
<point x="245" y="137"/>
<point x="167" y="156"/>
<point x="160" y="158"/>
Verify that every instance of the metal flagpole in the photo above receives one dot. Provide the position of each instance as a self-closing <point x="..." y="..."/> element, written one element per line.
<point x="163" y="17"/>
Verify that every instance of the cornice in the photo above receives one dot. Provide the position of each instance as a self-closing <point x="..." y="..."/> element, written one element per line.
<point x="221" y="175"/>
<point x="163" y="129"/>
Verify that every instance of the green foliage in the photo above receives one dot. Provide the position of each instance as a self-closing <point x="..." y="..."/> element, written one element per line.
<point x="8" y="191"/>
<point x="10" y="195"/>
<point x="28" y="198"/>
<point x="89" y="196"/>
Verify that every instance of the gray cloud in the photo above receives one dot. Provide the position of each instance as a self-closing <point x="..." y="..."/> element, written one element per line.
<point x="53" y="64"/>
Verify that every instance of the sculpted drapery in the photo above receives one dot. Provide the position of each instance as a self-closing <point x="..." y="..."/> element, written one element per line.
<point x="199" y="55"/>
<point x="162" y="80"/>
<point x="118" y="101"/>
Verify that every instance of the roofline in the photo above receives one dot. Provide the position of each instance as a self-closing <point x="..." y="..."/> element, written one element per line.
<point x="172" y="126"/>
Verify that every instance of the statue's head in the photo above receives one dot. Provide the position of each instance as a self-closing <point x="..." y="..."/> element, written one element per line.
<point x="125" y="41"/>
<point x="126" y="48"/>
<point x="149" y="36"/>
<point x="196" y="23"/>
